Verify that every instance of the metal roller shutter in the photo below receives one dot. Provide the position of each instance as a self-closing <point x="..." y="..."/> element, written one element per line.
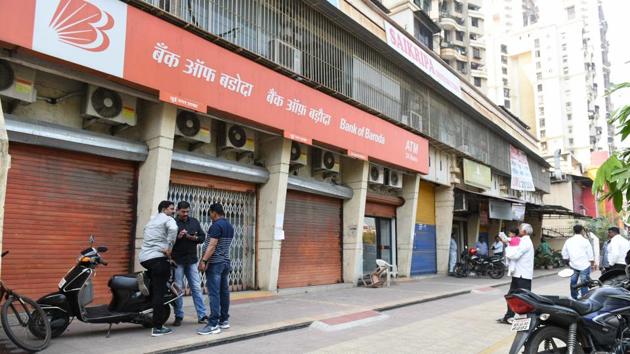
<point x="55" y="200"/>
<point x="311" y="251"/>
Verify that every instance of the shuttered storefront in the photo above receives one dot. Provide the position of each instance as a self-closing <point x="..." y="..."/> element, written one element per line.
<point x="312" y="248"/>
<point x="383" y="206"/>
<point x="424" y="256"/>
<point x="239" y="203"/>
<point x="55" y="200"/>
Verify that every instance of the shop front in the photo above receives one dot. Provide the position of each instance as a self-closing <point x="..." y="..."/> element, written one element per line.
<point x="379" y="230"/>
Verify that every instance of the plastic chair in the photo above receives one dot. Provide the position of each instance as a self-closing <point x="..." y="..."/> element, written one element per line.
<point x="392" y="270"/>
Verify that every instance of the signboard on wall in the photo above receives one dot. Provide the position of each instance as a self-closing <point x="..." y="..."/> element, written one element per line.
<point x="477" y="175"/>
<point x="500" y="210"/>
<point x="518" y="212"/>
<point x="521" y="175"/>
<point x="189" y="71"/>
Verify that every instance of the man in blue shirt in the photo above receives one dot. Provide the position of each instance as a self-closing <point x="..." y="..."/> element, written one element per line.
<point x="482" y="248"/>
<point x="216" y="263"/>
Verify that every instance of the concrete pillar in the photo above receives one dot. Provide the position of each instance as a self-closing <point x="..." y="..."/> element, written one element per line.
<point x="406" y="223"/>
<point x="5" y="164"/>
<point x="536" y="221"/>
<point x="354" y="175"/>
<point x="157" y="124"/>
<point x="276" y="152"/>
<point x="444" y="204"/>
<point x="494" y="227"/>
<point x="474" y="221"/>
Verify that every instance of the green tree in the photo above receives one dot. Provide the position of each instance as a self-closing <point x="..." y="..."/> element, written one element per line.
<point x="612" y="181"/>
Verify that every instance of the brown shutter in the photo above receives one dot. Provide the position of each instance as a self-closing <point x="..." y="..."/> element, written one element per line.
<point x="383" y="206"/>
<point x="311" y="250"/>
<point x="55" y="200"/>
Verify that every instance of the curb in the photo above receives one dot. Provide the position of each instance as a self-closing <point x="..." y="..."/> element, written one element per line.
<point x="301" y="325"/>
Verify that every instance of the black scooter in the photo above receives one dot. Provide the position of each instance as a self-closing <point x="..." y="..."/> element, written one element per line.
<point x="128" y="304"/>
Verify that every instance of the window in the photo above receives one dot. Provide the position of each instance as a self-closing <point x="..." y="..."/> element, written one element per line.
<point x="474" y="22"/>
<point x="506" y="103"/>
<point x="543" y="146"/>
<point x="538" y="65"/>
<point x="542" y="123"/>
<point x="459" y="7"/>
<point x="476" y="53"/>
<point x="542" y="133"/>
<point x="459" y="35"/>
<point x="506" y="92"/>
<point x="477" y="81"/>
<point x="505" y="82"/>
<point x="570" y="129"/>
<point x="539" y="76"/>
<point x="504" y="70"/>
<point x="569" y="116"/>
<point x="568" y="106"/>
<point x="461" y="66"/>
<point x="570" y="12"/>
<point x="540" y="87"/>
<point x="538" y="54"/>
<point x="565" y="70"/>
<point x="565" y="59"/>
<point x="564" y="47"/>
<point x="536" y="43"/>
<point x="504" y="59"/>
<point x="570" y="141"/>
<point x="541" y="110"/>
<point x="503" y="49"/>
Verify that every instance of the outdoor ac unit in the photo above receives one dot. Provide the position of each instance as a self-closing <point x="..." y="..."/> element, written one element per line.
<point x="460" y="202"/>
<point x="17" y="82"/>
<point x="377" y="175"/>
<point x="235" y="137"/>
<point x="393" y="178"/>
<point x="325" y="161"/>
<point x="299" y="155"/>
<point x="415" y="120"/>
<point x="109" y="106"/>
<point x="189" y="127"/>
<point x="286" y="55"/>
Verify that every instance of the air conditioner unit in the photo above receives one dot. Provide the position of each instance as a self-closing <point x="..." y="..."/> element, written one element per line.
<point x="109" y="106"/>
<point x="189" y="127"/>
<point x="415" y="120"/>
<point x="236" y="137"/>
<point x="325" y="161"/>
<point x="299" y="155"/>
<point x="460" y="201"/>
<point x="393" y="178"/>
<point x="17" y="82"/>
<point x="376" y="175"/>
<point x="286" y="55"/>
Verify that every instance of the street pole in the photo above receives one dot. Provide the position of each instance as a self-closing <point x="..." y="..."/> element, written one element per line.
<point x="5" y="164"/>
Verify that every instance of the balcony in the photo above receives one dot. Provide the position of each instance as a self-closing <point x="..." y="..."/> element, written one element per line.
<point x="475" y="3"/>
<point x="481" y="72"/>
<point x="448" y="21"/>
<point x="452" y="52"/>
<point x="477" y="43"/>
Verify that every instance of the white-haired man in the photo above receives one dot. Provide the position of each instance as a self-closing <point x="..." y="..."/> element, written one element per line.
<point x="522" y="261"/>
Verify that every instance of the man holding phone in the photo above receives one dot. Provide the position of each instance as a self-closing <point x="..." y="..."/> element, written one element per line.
<point x="189" y="235"/>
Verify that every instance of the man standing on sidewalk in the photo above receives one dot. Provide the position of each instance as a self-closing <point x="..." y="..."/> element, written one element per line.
<point x="522" y="262"/>
<point x="216" y="263"/>
<point x="579" y="252"/>
<point x="617" y="249"/>
<point x="185" y="256"/>
<point x="157" y="245"/>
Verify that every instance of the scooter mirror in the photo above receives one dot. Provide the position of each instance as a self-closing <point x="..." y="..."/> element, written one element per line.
<point x="101" y="249"/>
<point x="565" y="273"/>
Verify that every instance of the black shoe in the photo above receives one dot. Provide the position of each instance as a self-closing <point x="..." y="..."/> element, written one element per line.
<point x="503" y="320"/>
<point x="177" y="322"/>
<point x="204" y="319"/>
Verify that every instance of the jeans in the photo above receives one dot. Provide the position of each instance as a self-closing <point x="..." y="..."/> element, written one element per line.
<point x="218" y="292"/>
<point x="192" y="275"/>
<point x="583" y="276"/>
<point x="517" y="283"/>
<point x="159" y="272"/>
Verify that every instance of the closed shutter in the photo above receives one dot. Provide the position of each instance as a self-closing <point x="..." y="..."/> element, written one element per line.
<point x="424" y="255"/>
<point x="383" y="206"/>
<point x="55" y="200"/>
<point x="311" y="251"/>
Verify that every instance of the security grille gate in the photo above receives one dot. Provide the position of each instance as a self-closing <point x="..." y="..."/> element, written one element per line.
<point x="240" y="210"/>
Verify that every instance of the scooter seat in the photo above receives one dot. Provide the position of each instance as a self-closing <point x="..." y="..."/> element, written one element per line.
<point x="128" y="282"/>
<point x="582" y="307"/>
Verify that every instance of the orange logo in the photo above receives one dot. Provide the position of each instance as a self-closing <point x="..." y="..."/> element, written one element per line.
<point x="82" y="24"/>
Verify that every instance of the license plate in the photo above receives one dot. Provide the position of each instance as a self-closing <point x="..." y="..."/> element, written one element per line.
<point x="521" y="324"/>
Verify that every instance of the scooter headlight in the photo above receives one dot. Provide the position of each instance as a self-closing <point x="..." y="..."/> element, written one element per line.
<point x="544" y="317"/>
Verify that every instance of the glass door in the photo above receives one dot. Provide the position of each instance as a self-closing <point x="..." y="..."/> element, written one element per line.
<point x="378" y="242"/>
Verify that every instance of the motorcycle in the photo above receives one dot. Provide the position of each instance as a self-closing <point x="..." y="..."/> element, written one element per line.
<point x="128" y="304"/>
<point x="597" y="323"/>
<point x="472" y="263"/>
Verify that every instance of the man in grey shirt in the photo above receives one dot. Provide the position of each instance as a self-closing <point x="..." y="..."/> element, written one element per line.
<point x="159" y="238"/>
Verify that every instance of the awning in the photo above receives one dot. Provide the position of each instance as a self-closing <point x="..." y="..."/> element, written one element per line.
<point x="554" y="210"/>
<point x="511" y="200"/>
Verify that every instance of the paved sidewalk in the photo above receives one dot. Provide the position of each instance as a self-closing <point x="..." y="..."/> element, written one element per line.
<point x="259" y="313"/>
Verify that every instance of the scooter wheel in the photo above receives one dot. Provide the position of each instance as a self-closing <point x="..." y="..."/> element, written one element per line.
<point x="59" y="321"/>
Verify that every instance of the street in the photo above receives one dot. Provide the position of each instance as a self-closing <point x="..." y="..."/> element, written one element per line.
<point x="461" y="324"/>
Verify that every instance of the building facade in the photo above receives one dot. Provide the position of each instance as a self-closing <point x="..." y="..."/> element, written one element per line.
<point x="316" y="124"/>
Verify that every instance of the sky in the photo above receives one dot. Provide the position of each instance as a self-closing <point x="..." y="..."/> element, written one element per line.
<point x="616" y="13"/>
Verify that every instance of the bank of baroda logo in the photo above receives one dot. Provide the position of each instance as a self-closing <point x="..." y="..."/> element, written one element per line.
<point x="87" y="32"/>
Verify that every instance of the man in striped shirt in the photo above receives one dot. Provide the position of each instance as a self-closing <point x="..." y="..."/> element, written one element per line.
<point x="216" y="263"/>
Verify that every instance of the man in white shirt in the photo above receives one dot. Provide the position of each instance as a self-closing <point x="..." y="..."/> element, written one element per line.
<point x="595" y="244"/>
<point x="522" y="261"/>
<point x="579" y="252"/>
<point x="618" y="247"/>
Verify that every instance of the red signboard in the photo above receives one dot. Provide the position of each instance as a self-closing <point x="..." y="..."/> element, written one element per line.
<point x="191" y="72"/>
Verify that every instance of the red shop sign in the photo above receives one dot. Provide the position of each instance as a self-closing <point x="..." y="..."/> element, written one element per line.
<point x="188" y="71"/>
